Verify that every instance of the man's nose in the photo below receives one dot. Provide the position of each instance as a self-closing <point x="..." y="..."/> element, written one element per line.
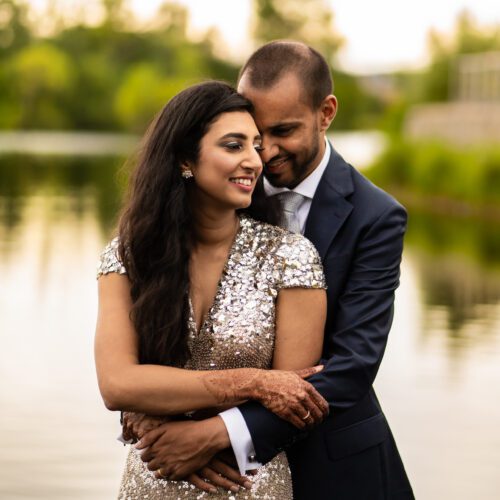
<point x="269" y="151"/>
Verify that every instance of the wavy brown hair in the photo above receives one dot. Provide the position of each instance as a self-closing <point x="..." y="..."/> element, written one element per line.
<point x="155" y="226"/>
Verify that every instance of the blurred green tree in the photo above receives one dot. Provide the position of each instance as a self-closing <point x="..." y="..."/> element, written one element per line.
<point x="357" y="109"/>
<point x="113" y="75"/>
<point x="14" y="30"/>
<point x="310" y="21"/>
<point x="115" y="15"/>
<point x="44" y="77"/>
<point x="117" y="74"/>
<point x="144" y="91"/>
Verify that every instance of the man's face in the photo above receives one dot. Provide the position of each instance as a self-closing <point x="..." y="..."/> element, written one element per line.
<point x="292" y="132"/>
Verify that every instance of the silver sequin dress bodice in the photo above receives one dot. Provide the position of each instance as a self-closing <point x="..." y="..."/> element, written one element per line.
<point x="237" y="332"/>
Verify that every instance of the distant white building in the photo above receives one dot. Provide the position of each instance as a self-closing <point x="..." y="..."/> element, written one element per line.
<point x="478" y="77"/>
<point x="474" y="114"/>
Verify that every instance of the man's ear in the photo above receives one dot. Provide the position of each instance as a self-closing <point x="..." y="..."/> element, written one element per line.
<point x="328" y="110"/>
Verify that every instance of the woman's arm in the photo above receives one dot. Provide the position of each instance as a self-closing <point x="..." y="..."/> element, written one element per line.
<point x="300" y="325"/>
<point x="161" y="390"/>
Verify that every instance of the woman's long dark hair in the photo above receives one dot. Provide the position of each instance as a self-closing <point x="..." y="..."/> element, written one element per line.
<point x="156" y="224"/>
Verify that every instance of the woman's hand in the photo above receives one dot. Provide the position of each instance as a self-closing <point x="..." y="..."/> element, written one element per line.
<point x="285" y="393"/>
<point x="289" y="396"/>
<point x="135" y="425"/>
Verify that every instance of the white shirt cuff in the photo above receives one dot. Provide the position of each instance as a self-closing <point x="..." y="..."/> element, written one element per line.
<point x="123" y="440"/>
<point x="241" y="440"/>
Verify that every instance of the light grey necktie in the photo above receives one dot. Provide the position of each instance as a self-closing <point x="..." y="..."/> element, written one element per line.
<point x="290" y="202"/>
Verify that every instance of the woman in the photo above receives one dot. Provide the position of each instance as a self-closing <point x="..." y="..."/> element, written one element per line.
<point x="199" y="297"/>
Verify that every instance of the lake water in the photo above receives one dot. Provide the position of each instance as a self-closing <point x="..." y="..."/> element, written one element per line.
<point x="438" y="383"/>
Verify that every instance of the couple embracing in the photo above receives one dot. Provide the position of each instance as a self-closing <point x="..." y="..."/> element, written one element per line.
<point x="243" y="317"/>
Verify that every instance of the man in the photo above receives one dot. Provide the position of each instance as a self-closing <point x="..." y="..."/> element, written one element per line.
<point x="358" y="230"/>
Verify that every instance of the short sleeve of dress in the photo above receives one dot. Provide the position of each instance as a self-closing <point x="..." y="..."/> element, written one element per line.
<point x="301" y="263"/>
<point x="110" y="260"/>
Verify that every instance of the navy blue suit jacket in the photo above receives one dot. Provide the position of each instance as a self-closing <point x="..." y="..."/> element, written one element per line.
<point x="358" y="230"/>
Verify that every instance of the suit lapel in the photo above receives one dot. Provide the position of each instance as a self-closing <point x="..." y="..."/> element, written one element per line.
<point x="329" y="208"/>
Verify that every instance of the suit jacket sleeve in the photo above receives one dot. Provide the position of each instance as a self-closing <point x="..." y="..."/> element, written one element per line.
<point x="355" y="337"/>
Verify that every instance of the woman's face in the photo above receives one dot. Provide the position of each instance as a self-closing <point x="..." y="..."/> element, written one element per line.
<point x="229" y="163"/>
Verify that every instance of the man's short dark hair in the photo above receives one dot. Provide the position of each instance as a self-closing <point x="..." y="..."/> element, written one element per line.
<point x="267" y="65"/>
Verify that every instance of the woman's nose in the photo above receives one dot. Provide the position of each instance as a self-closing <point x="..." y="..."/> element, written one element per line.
<point x="254" y="160"/>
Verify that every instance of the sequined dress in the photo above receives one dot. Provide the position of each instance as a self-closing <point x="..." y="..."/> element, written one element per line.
<point x="237" y="332"/>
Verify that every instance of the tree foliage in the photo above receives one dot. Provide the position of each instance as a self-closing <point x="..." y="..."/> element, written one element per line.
<point x="310" y="21"/>
<point x="108" y="76"/>
<point x="116" y="74"/>
<point x="44" y="79"/>
<point x="14" y="31"/>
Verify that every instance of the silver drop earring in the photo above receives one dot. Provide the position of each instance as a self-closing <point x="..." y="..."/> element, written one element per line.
<point x="187" y="174"/>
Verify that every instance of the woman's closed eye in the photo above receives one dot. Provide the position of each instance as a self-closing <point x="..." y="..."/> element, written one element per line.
<point x="233" y="146"/>
<point x="238" y="146"/>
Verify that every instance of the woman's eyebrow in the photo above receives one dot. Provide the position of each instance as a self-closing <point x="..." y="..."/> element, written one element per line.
<point x="239" y="135"/>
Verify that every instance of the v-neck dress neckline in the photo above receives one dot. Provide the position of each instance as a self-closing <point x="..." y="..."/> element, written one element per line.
<point x="205" y="320"/>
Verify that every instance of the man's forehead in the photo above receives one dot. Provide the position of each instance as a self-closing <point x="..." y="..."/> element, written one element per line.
<point x="280" y="104"/>
<point x="287" y="86"/>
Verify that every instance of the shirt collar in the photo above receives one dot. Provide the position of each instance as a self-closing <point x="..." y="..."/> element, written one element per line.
<point x="308" y="186"/>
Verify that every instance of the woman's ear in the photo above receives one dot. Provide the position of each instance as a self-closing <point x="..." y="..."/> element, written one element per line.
<point x="186" y="170"/>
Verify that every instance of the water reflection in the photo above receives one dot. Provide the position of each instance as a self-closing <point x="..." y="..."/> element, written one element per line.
<point x="475" y="239"/>
<point x="82" y="180"/>
<point x="56" y="214"/>
<point x="458" y="265"/>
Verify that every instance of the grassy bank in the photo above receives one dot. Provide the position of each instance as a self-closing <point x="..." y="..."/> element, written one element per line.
<point x="441" y="177"/>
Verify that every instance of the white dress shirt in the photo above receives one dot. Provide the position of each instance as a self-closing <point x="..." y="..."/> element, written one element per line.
<point x="239" y="435"/>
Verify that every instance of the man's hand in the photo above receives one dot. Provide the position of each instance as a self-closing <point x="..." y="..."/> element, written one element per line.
<point x="135" y="425"/>
<point x="181" y="448"/>
<point x="220" y="471"/>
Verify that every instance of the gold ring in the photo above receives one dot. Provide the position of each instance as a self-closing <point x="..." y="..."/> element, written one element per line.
<point x="307" y="416"/>
<point x="160" y="473"/>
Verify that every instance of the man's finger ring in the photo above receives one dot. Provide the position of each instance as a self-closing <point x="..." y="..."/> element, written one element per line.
<point x="307" y="415"/>
<point x="160" y="473"/>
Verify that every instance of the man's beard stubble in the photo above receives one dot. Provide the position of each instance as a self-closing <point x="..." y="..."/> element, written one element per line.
<point x="299" y="170"/>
